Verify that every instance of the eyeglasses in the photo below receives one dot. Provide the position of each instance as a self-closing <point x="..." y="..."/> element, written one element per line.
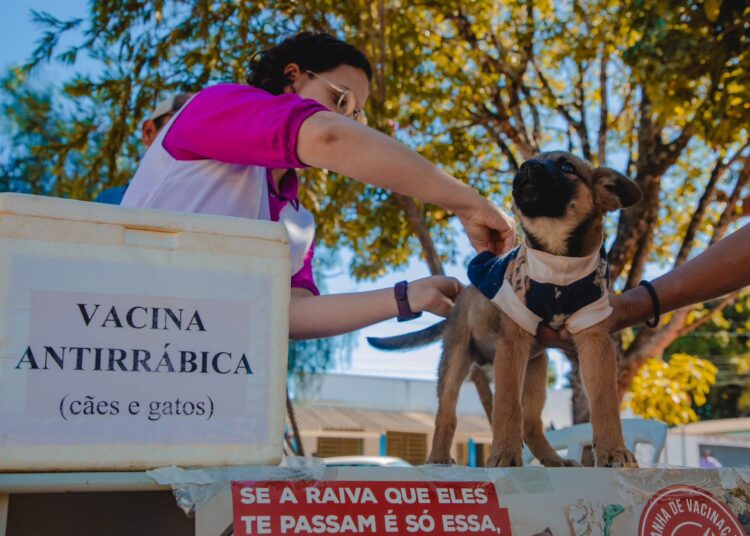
<point x="345" y="103"/>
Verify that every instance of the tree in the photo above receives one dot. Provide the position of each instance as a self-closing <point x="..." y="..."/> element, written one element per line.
<point x="649" y="87"/>
<point x="37" y="125"/>
<point x="56" y="139"/>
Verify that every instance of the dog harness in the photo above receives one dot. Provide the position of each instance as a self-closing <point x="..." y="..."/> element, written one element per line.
<point x="532" y="286"/>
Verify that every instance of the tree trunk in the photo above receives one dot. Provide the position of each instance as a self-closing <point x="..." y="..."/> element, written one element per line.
<point x="422" y="231"/>
<point x="601" y="159"/>
<point x="579" y="401"/>
<point x="637" y="223"/>
<point x="300" y="450"/>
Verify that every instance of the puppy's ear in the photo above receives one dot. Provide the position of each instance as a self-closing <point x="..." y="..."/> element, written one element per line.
<point x="615" y="189"/>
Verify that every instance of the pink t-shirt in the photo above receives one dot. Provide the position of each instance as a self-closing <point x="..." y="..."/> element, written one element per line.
<point x="215" y="156"/>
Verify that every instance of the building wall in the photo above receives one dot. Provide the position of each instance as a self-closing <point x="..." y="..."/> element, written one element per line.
<point x="684" y="449"/>
<point x="683" y="446"/>
<point x="404" y="395"/>
<point x="393" y="394"/>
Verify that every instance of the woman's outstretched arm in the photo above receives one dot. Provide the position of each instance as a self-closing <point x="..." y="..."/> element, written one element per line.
<point x="332" y="141"/>
<point x="312" y="317"/>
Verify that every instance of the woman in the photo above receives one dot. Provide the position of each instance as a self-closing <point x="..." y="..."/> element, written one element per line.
<point x="232" y="150"/>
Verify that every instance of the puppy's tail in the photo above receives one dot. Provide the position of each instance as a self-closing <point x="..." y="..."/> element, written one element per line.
<point x="409" y="340"/>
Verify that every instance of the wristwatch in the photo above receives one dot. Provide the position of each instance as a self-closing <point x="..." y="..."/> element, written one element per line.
<point x="402" y="300"/>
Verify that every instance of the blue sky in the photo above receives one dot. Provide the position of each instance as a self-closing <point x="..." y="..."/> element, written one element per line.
<point x="18" y="34"/>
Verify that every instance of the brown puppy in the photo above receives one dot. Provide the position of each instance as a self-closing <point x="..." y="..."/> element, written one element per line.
<point x="559" y="277"/>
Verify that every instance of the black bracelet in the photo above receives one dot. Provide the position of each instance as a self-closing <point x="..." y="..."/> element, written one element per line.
<point x="655" y="300"/>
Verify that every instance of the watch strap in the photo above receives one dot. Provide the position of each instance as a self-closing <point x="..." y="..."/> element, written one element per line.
<point x="400" y="291"/>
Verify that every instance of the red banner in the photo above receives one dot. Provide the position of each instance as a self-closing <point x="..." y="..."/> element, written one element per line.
<point x="373" y="508"/>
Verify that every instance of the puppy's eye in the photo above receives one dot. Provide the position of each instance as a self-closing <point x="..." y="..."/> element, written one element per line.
<point x="567" y="167"/>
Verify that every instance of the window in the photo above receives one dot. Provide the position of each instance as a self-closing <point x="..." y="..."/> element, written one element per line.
<point x="482" y="453"/>
<point x="462" y="454"/>
<point x="407" y="446"/>
<point x="339" y="446"/>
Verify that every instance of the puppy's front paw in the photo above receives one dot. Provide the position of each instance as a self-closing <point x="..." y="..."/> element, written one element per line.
<point x="617" y="457"/>
<point x="505" y="458"/>
<point x="559" y="461"/>
<point x="440" y="459"/>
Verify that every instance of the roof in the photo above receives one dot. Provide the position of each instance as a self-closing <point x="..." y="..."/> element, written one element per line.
<point x="361" y="420"/>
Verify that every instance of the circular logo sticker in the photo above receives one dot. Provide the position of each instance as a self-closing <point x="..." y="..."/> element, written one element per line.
<point x="687" y="511"/>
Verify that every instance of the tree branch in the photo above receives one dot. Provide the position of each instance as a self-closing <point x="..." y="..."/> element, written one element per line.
<point x="720" y="167"/>
<point x="652" y="343"/>
<point x="504" y="147"/>
<point x="535" y="121"/>
<point x="603" y="111"/>
<point x="422" y="231"/>
<point x="583" y="129"/>
<point x="730" y="209"/>
<point x="720" y="306"/>
<point x="562" y="110"/>
<point x="625" y="104"/>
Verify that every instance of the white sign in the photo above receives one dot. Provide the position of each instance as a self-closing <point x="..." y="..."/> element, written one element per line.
<point x="176" y="358"/>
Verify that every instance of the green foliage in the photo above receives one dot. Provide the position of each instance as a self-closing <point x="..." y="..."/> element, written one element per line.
<point x="690" y="50"/>
<point x="58" y="145"/>
<point x="28" y="121"/>
<point x="475" y="87"/>
<point x="725" y="342"/>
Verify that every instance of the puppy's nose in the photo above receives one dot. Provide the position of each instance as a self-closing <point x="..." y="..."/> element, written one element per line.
<point x="531" y="165"/>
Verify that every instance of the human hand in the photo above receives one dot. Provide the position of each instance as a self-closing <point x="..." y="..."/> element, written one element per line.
<point x="435" y="294"/>
<point x="626" y="311"/>
<point x="489" y="228"/>
<point x="629" y="308"/>
<point x="552" y="338"/>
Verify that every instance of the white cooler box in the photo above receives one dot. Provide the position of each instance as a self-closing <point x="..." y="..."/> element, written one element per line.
<point x="132" y="339"/>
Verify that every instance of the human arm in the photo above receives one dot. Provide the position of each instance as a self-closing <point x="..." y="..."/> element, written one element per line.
<point x="722" y="268"/>
<point x="313" y="316"/>
<point x="331" y="141"/>
<point x="243" y="125"/>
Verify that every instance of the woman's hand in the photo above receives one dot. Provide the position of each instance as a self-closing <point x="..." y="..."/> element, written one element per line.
<point x="436" y="294"/>
<point x="489" y="228"/>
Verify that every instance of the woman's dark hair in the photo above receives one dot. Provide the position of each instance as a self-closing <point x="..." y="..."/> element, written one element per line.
<point x="317" y="52"/>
